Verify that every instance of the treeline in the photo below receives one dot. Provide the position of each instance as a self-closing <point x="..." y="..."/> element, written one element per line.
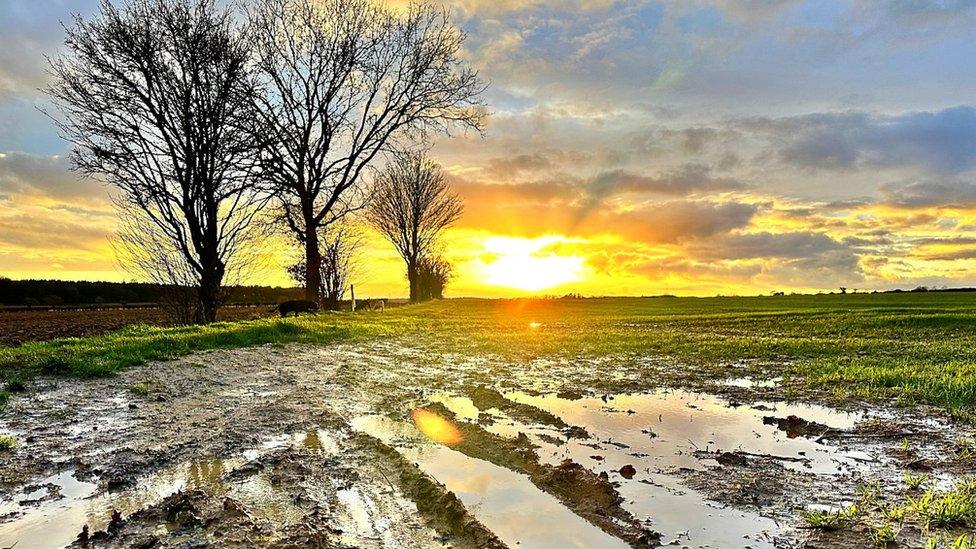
<point x="51" y="293"/>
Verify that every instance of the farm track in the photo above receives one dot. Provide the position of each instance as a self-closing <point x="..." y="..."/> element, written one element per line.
<point x="301" y="445"/>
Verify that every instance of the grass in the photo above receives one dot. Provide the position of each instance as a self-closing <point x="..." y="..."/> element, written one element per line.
<point x="914" y="482"/>
<point x="956" y="507"/>
<point x="7" y="442"/>
<point x="908" y="348"/>
<point x="940" y="511"/>
<point x="143" y="388"/>
<point x="883" y="535"/>
<point x="830" y="520"/>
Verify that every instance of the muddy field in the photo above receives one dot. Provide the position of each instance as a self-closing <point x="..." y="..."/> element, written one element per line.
<point x="384" y="444"/>
<point x="17" y="327"/>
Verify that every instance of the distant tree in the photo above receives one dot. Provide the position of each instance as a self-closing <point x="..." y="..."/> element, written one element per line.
<point x="343" y="81"/>
<point x="433" y="274"/>
<point x="411" y="206"/>
<point x="157" y="98"/>
<point x="339" y="243"/>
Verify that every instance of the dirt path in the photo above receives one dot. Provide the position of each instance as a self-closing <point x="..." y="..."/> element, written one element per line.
<point x="385" y="445"/>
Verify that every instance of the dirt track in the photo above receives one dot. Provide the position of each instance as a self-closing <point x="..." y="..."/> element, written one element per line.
<point x="298" y="445"/>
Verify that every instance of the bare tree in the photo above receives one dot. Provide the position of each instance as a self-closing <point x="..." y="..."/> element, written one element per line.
<point x="339" y="244"/>
<point x="412" y="205"/>
<point x="343" y="82"/>
<point x="156" y="97"/>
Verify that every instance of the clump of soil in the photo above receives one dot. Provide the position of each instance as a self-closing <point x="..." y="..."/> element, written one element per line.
<point x="795" y="426"/>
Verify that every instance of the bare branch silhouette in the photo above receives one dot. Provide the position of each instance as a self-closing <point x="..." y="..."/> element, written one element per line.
<point x="411" y="206"/>
<point x="157" y="99"/>
<point x="345" y="81"/>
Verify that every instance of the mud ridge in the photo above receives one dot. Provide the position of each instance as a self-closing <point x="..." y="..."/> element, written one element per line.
<point x="442" y="509"/>
<point x="590" y="496"/>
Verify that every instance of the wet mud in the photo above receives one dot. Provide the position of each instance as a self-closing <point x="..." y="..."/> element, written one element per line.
<point x="386" y="445"/>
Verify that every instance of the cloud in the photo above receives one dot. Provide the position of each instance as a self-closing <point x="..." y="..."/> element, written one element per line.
<point x="941" y="141"/>
<point x="928" y="193"/>
<point x="33" y="233"/>
<point x="671" y="222"/>
<point x="686" y="180"/>
<point x="800" y="258"/>
<point x="46" y="176"/>
<point x="911" y="11"/>
<point x="792" y="245"/>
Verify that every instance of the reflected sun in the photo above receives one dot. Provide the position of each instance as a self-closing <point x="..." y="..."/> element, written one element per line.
<point x="436" y="427"/>
<point x="526" y="264"/>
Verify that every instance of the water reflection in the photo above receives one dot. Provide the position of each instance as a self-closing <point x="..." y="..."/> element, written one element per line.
<point x="507" y="503"/>
<point x="436" y="428"/>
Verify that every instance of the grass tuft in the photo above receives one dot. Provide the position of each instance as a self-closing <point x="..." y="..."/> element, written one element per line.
<point x="830" y="520"/>
<point x="956" y="507"/>
<point x="914" y="482"/>
<point x="883" y="535"/>
<point x="7" y="442"/>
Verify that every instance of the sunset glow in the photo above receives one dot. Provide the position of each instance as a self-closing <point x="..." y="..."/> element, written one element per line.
<point x="526" y="264"/>
<point x="632" y="148"/>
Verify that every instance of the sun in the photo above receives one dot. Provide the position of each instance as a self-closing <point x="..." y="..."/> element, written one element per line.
<point x="525" y="264"/>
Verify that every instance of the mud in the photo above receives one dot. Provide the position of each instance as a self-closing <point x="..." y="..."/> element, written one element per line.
<point x="341" y="446"/>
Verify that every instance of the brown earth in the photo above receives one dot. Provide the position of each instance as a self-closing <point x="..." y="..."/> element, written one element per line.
<point x="18" y="327"/>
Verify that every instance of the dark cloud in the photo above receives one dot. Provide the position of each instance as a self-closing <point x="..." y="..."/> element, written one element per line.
<point x="672" y="222"/>
<point x="942" y="141"/>
<point x="505" y="168"/>
<point x="804" y="259"/>
<point x="954" y="255"/>
<point x="792" y="245"/>
<point x="48" y="176"/>
<point x="689" y="179"/>
<point x="36" y="233"/>
<point x="924" y="194"/>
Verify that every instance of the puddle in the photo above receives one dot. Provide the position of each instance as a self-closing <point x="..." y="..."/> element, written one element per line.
<point x="644" y="441"/>
<point x="753" y="383"/>
<point x="670" y="426"/>
<point x="507" y="503"/>
<point x="45" y="524"/>
<point x="57" y="521"/>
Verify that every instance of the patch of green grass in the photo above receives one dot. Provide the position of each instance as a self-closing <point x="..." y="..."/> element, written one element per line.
<point x="965" y="448"/>
<point x="883" y="535"/>
<point x="956" y="507"/>
<point x="963" y="541"/>
<point x="143" y="388"/>
<point x="7" y="442"/>
<point x="914" y="482"/>
<point x="830" y="520"/>
<point x="135" y="345"/>
<point x="908" y="348"/>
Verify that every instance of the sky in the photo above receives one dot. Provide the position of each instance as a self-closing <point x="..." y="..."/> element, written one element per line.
<point x="690" y="147"/>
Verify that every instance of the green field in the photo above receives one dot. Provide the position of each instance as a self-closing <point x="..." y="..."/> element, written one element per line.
<point x="913" y="347"/>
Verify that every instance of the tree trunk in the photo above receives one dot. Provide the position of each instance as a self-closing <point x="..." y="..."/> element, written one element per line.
<point x="413" y="276"/>
<point x="313" y="264"/>
<point x="208" y="294"/>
